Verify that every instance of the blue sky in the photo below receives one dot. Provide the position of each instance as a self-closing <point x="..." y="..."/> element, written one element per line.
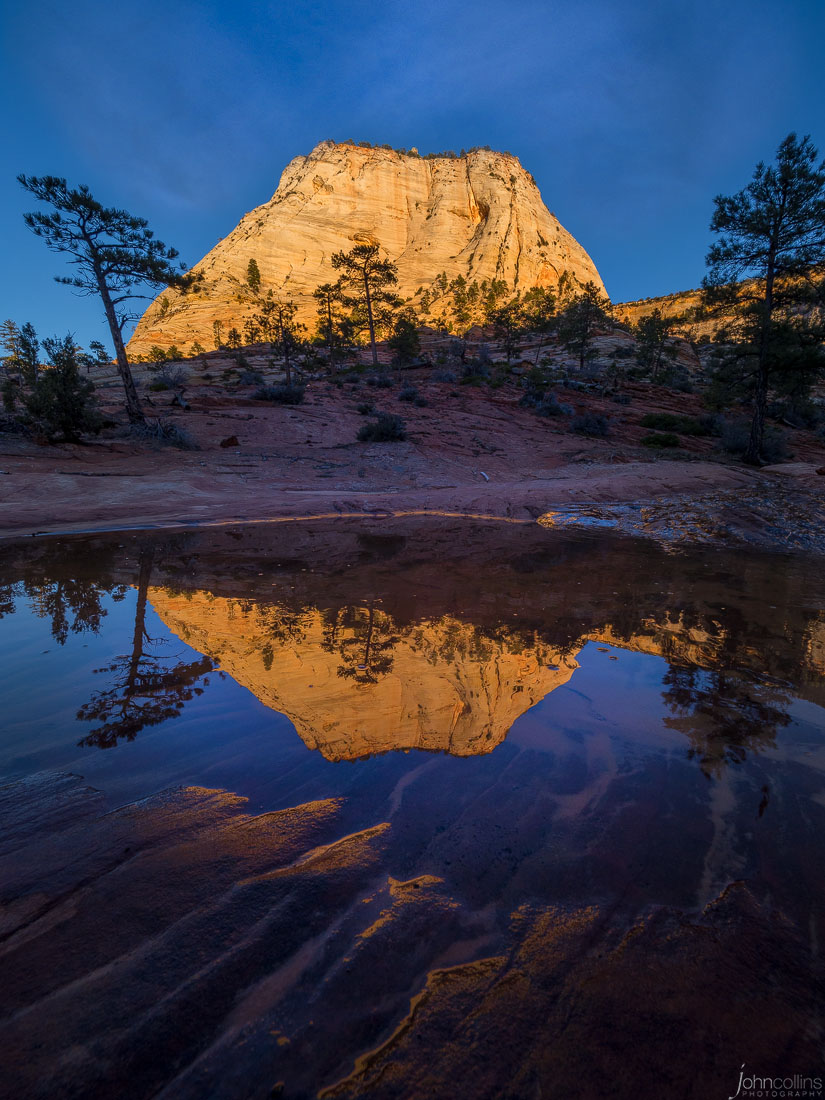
<point x="631" y="114"/>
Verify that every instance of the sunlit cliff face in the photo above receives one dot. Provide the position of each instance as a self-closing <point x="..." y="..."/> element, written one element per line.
<point x="479" y="216"/>
<point x="354" y="683"/>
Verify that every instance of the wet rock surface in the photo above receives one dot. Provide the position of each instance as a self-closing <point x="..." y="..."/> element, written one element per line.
<point x="181" y="947"/>
<point x="774" y="517"/>
<point x="622" y="897"/>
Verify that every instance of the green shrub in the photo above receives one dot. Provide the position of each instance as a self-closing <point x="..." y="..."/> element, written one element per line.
<point x="661" y="439"/>
<point x="532" y="399"/>
<point x="476" y="369"/>
<point x="281" y="395"/>
<point x="157" y="386"/>
<point x="735" y="436"/>
<point x="684" y="425"/>
<point x="386" y="429"/>
<point x="11" y="390"/>
<point x="545" y="404"/>
<point x="590" y="424"/>
<point x="60" y="402"/>
<point x="165" y="432"/>
<point x="251" y="378"/>
<point x="800" y="413"/>
<point x="366" y="408"/>
<point x="408" y="393"/>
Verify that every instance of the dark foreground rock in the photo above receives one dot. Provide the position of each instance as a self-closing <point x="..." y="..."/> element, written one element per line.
<point x="179" y="947"/>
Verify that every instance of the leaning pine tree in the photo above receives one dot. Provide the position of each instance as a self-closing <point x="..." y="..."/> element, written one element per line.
<point x="772" y="234"/>
<point x="114" y="254"/>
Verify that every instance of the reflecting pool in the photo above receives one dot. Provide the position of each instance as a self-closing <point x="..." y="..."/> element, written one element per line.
<point x="407" y="808"/>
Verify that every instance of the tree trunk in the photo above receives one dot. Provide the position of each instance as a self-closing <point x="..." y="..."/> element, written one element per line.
<point x="541" y="344"/>
<point x="370" y="321"/>
<point x="330" y="335"/>
<point x="139" y="634"/>
<point x="133" y="407"/>
<point x="753" y="455"/>
<point x="368" y="640"/>
<point x="285" y="348"/>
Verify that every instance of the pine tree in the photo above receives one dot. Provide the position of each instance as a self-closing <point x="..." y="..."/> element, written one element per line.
<point x="113" y="253"/>
<point x="539" y="311"/>
<point x="653" y="333"/>
<point x="58" y="399"/>
<point x="366" y="279"/>
<point x="508" y="324"/>
<point x="253" y="275"/>
<point x="771" y="233"/>
<point x="332" y="326"/>
<point x="278" y="325"/>
<point x="581" y="319"/>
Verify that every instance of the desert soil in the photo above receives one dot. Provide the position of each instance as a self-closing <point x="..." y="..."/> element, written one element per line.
<point x="470" y="450"/>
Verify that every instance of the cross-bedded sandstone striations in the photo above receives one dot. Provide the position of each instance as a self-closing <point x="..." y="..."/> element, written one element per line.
<point x="479" y="216"/>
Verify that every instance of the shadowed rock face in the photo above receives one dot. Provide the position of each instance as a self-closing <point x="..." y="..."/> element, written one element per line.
<point x="479" y="216"/>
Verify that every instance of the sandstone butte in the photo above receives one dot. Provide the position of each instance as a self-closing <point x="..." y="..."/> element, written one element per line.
<point x="479" y="215"/>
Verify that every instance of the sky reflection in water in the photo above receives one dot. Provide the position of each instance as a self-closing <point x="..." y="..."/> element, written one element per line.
<point x="507" y="732"/>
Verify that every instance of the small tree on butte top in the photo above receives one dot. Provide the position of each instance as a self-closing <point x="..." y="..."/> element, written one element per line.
<point x="368" y="278"/>
<point x="253" y="275"/>
<point x="773" y="234"/>
<point x="113" y="253"/>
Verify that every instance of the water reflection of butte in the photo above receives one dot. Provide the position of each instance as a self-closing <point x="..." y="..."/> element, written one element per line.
<point x="354" y="683"/>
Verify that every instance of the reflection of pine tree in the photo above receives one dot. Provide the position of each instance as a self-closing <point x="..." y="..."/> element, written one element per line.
<point x="58" y="589"/>
<point x="58" y="600"/>
<point x="283" y="626"/>
<point x="723" y="714"/>
<point x="8" y="593"/>
<point x="72" y="603"/>
<point x="146" y="689"/>
<point x="331" y="628"/>
<point x="366" y="648"/>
